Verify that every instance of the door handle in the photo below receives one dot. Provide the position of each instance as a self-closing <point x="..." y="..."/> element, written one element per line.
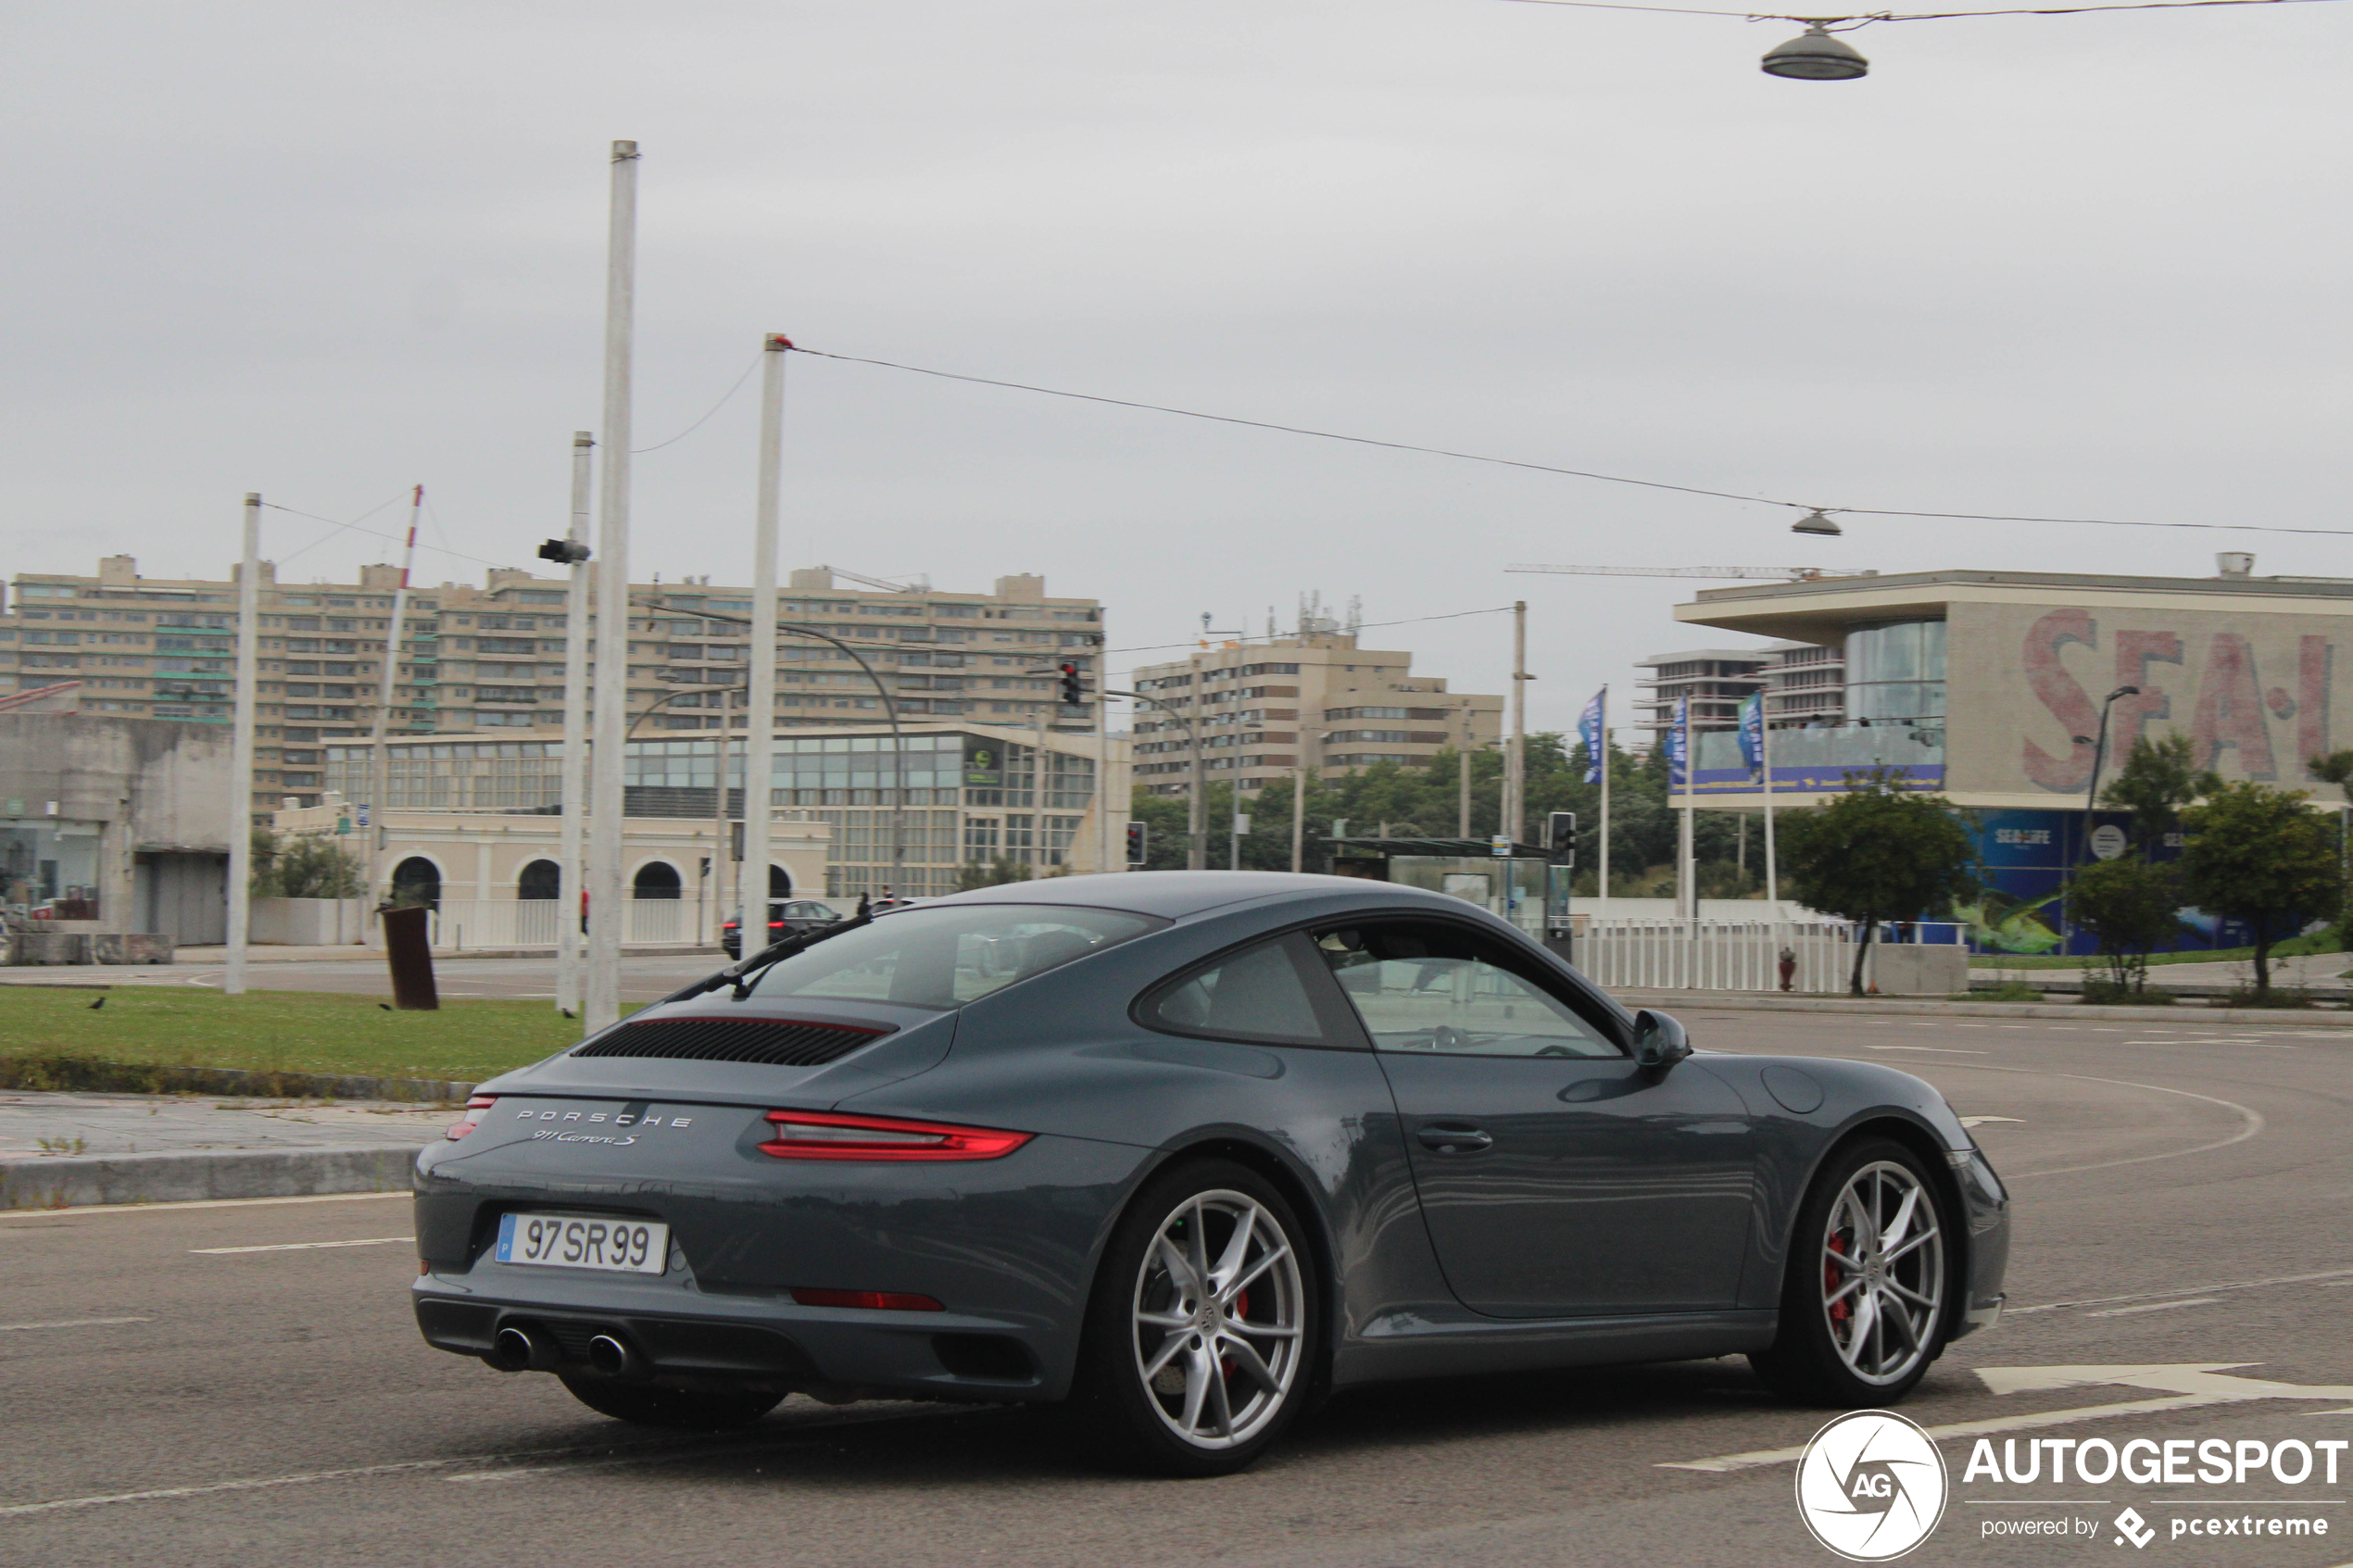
<point x="1455" y="1140"/>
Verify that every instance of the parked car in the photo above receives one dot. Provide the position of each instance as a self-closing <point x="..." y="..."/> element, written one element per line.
<point x="1188" y="1150"/>
<point x="787" y="917"/>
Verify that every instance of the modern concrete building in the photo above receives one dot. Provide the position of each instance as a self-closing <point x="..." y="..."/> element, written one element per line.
<point x="1989" y="687"/>
<point x="491" y="658"/>
<point x="112" y="824"/>
<point x="1312" y="700"/>
<point x="909" y="818"/>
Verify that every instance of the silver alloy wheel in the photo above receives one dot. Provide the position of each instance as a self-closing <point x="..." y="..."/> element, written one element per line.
<point x="1883" y="1272"/>
<point x="1218" y="1319"/>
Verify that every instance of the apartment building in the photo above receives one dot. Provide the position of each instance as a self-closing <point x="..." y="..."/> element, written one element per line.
<point x="1803" y="684"/>
<point x="1313" y="700"/>
<point x="492" y="659"/>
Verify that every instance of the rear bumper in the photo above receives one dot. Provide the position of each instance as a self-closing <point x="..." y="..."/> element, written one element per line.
<point x="901" y="1355"/>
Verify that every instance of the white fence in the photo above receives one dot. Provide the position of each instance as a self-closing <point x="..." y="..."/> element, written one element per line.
<point x="1673" y="955"/>
<point x="460" y="923"/>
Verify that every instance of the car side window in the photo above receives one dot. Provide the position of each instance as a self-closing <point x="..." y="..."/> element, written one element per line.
<point x="1255" y="994"/>
<point x="1432" y="986"/>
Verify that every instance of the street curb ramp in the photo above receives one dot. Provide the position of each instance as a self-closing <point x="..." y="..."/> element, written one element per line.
<point x="196" y="1175"/>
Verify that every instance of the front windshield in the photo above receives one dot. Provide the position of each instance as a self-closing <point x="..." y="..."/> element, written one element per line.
<point x="945" y="955"/>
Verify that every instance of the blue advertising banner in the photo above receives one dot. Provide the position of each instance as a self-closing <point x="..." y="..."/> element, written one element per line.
<point x="2024" y="860"/>
<point x="1752" y="732"/>
<point x="1679" y="746"/>
<point x="1589" y="725"/>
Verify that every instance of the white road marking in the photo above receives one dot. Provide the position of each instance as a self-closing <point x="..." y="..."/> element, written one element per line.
<point x="298" y="1245"/>
<point x="1981" y="1121"/>
<point x="2196" y="1384"/>
<point x="2337" y="1276"/>
<point x="2154" y="1307"/>
<point x="71" y="1322"/>
<point x="77" y="1211"/>
<point x="1940" y="1050"/>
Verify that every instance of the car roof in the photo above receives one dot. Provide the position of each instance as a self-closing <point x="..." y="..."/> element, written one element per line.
<point x="1175" y="895"/>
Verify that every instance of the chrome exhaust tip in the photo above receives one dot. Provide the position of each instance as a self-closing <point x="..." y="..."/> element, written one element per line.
<point x="611" y="1356"/>
<point x="519" y="1349"/>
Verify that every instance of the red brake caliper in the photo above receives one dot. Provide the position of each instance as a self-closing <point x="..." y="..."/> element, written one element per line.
<point x="1839" y="1311"/>
<point x="1241" y="1309"/>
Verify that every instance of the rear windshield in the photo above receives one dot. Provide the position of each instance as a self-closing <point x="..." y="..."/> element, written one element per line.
<point x="945" y="955"/>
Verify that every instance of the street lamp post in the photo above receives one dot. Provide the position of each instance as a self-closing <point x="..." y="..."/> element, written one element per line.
<point x="1197" y="851"/>
<point x="2099" y="755"/>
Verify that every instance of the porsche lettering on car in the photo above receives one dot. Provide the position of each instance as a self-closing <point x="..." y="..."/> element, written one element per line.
<point x="1186" y="1152"/>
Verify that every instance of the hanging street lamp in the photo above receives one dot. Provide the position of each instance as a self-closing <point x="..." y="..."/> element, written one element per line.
<point x="1815" y="56"/>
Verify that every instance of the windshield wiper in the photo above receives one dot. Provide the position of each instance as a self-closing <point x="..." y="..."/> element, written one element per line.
<point x="742" y="974"/>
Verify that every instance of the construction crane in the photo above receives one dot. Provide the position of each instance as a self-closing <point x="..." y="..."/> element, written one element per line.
<point x="1769" y="573"/>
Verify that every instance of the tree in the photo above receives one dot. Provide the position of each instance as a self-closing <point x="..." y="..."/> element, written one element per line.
<point x="302" y="866"/>
<point x="2263" y="857"/>
<point x="990" y="874"/>
<point x="2130" y="905"/>
<point x="2158" y="778"/>
<point x="1877" y="853"/>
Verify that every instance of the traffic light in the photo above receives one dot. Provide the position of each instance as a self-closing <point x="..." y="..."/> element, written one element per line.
<point x="1073" y="692"/>
<point x="563" y="552"/>
<point x="1134" y="844"/>
<point x="1560" y="837"/>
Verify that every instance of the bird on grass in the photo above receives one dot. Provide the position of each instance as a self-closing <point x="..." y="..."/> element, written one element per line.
<point x="97" y="1005"/>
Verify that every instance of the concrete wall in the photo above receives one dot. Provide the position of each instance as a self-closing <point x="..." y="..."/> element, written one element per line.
<point x="154" y="789"/>
<point x="308" y="922"/>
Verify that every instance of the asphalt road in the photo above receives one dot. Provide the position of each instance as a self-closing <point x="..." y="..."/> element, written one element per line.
<point x="2180" y="1204"/>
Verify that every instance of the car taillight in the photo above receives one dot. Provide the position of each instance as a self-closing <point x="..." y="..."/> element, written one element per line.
<point x="825" y="1135"/>
<point x="871" y="1300"/>
<point x="476" y="1109"/>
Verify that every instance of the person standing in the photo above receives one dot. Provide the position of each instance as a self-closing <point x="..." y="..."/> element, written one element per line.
<point x="1788" y="968"/>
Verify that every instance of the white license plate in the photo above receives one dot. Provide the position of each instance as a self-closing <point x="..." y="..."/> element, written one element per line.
<point x="584" y="1241"/>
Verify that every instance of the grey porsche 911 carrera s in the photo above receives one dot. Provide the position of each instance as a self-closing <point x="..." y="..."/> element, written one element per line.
<point x="1186" y="1151"/>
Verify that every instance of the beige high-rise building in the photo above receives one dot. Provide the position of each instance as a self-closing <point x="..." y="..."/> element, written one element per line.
<point x="491" y="658"/>
<point x="1313" y="700"/>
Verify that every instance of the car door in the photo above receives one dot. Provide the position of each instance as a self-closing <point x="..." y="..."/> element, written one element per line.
<point x="1556" y="1177"/>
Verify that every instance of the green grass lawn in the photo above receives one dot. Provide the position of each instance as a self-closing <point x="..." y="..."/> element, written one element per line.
<point x="2295" y="946"/>
<point x="281" y="1032"/>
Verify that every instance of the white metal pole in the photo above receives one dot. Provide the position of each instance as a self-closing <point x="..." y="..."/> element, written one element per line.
<point x="233" y="980"/>
<point x="1103" y="772"/>
<point x="760" y="728"/>
<point x="379" y="758"/>
<point x="1515" y="764"/>
<point x="1298" y="818"/>
<point x="602" y="1003"/>
<point x="573" y="778"/>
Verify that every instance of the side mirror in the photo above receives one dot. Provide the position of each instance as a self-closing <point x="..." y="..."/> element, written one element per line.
<point x="1659" y="1041"/>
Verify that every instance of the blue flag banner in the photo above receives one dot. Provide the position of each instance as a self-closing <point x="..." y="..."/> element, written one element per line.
<point x="1679" y="746"/>
<point x="1590" y="725"/>
<point x="1752" y="732"/>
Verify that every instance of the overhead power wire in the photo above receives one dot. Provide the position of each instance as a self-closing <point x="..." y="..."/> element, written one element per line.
<point x="1549" y="468"/>
<point x="395" y="538"/>
<point x="725" y="398"/>
<point x="1862" y="17"/>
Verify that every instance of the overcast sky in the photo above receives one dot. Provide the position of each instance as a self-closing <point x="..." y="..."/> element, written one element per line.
<point x="2076" y="266"/>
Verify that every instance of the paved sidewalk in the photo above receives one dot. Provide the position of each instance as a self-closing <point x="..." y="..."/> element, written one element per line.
<point x="117" y="1124"/>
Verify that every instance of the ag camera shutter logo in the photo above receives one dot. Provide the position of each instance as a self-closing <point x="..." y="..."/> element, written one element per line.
<point x="1871" y="1486"/>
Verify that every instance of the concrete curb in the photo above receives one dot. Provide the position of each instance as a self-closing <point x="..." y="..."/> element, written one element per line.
<point x="1753" y="1001"/>
<point x="203" y="1175"/>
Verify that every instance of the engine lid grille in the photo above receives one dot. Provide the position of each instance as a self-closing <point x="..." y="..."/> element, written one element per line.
<point x="770" y="1041"/>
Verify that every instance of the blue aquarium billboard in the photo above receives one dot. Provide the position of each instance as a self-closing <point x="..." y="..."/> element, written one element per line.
<point x="2024" y="860"/>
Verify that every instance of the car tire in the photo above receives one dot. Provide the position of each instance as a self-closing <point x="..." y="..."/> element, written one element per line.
<point x="1178" y="1380"/>
<point x="688" y="1410"/>
<point x="1866" y="1295"/>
